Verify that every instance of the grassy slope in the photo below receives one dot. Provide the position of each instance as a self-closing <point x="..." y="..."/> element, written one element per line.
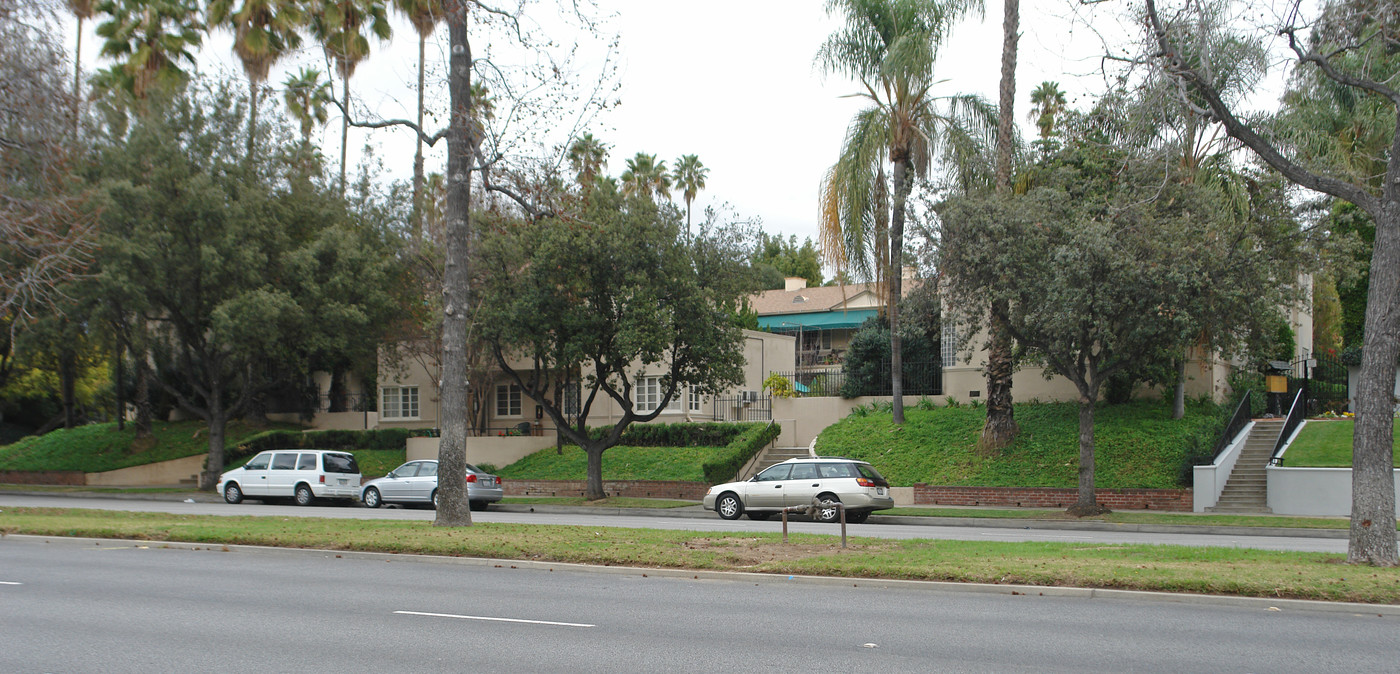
<point x="101" y="447"/>
<point x="619" y="463"/>
<point x="1327" y="444"/>
<point x="1137" y="445"/>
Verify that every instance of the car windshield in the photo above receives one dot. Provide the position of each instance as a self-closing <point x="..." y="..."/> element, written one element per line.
<point x="340" y="463"/>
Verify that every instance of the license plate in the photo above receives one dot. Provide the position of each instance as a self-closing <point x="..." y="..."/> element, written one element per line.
<point x="880" y="491"/>
<point x="343" y="480"/>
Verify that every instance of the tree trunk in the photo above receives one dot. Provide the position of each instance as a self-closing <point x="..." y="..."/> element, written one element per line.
<point x="77" y="80"/>
<point x="1373" y="538"/>
<point x="1088" y="503"/>
<point x="344" y="127"/>
<point x="452" y="452"/>
<point x="252" y="118"/>
<point x="218" y="422"/>
<point x="418" y="155"/>
<point x="1179" y="395"/>
<point x="68" y="377"/>
<point x="143" y="394"/>
<point x="903" y="185"/>
<point x="1001" y="428"/>
<point x="120" y="388"/>
<point x="593" y="491"/>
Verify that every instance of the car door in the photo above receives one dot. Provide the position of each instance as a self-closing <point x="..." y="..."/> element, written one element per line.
<point x="253" y="481"/>
<point x="802" y="484"/>
<point x="420" y="487"/>
<point x="766" y="490"/>
<point x="282" y="474"/>
<point x="395" y="486"/>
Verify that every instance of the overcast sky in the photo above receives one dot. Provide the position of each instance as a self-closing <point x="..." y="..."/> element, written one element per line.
<point x="729" y="80"/>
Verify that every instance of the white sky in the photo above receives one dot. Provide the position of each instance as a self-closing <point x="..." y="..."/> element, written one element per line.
<point x="729" y="80"/>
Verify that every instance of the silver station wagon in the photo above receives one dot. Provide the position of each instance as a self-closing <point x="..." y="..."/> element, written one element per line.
<point x="795" y="482"/>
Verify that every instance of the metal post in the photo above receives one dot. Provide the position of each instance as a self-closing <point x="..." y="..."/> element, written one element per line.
<point x="785" y="525"/>
<point x="841" y="510"/>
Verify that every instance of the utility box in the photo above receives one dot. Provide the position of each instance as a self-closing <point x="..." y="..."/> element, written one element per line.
<point x="1277" y="383"/>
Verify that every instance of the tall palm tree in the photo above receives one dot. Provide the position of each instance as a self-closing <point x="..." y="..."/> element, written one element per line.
<point x="1047" y="103"/>
<point x="263" y="32"/>
<point x="889" y="48"/>
<point x="645" y="175"/>
<point x="149" y="39"/>
<point x="82" y="9"/>
<point x="307" y="97"/>
<point x="337" y="25"/>
<point x="689" y="177"/>
<point x="586" y="157"/>
<point x="425" y="15"/>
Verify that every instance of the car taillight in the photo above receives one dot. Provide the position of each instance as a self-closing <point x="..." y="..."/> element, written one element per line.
<point x="865" y="482"/>
<point x="323" y="479"/>
<point x="471" y="477"/>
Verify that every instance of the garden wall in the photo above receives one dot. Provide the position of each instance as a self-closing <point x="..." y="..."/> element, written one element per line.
<point x="64" y="477"/>
<point x="1046" y="497"/>
<point x="689" y="491"/>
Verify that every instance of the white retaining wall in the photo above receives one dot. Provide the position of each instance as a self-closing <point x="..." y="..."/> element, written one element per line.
<point x="1316" y="492"/>
<point x="1207" y="482"/>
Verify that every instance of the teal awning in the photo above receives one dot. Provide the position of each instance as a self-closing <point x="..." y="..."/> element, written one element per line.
<point x="823" y="320"/>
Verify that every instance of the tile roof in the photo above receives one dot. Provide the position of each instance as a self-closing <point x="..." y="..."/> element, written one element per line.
<point x="808" y="300"/>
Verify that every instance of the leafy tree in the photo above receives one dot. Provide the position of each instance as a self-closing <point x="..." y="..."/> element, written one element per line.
<point x="689" y="177"/>
<point x="785" y="258"/>
<point x="1099" y="262"/>
<point x="889" y="48"/>
<point x="646" y="176"/>
<point x="1351" y="45"/>
<point x="865" y="367"/>
<point x="337" y="25"/>
<point x="149" y="39"/>
<point x="244" y="273"/>
<point x="610" y="295"/>
<point x="264" y="31"/>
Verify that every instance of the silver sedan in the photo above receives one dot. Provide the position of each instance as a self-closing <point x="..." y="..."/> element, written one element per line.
<point x="416" y="482"/>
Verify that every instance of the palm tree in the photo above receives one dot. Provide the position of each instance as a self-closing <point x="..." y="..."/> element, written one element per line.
<point x="337" y="25"/>
<point x="889" y="47"/>
<point x="645" y="175"/>
<point x="425" y="15"/>
<point x="149" y="39"/>
<point x="1047" y="103"/>
<point x="1000" y="427"/>
<point x="689" y="177"/>
<point x="263" y="32"/>
<point x="307" y="98"/>
<point x="83" y="10"/>
<point x="586" y="157"/>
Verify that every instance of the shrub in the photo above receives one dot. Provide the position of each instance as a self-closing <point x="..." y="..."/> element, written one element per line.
<point x="737" y="452"/>
<point x="675" y="435"/>
<point x="385" y="438"/>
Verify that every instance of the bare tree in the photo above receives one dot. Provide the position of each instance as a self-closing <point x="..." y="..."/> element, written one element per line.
<point x="1346" y="57"/>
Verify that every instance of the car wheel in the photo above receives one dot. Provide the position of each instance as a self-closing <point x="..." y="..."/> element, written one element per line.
<point x="232" y="493"/>
<point x="434" y="499"/>
<point x="477" y="505"/>
<point x="372" y="499"/>
<point x="759" y="516"/>
<point x="831" y="514"/>
<point x="857" y="518"/>
<point x="729" y="506"/>
<point x="304" y="497"/>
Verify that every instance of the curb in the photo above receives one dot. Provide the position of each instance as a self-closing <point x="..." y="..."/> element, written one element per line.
<point x="1255" y="603"/>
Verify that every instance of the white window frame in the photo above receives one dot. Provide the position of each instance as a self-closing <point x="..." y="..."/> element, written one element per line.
<point x="399" y="403"/>
<point x="693" y="400"/>
<point x="509" y="394"/>
<point x="648" y="394"/>
<point x="948" y="344"/>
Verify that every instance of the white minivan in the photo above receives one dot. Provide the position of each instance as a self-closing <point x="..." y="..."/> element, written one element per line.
<point x="303" y="475"/>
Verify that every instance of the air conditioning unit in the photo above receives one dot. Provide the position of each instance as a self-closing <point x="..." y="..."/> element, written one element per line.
<point x="748" y="396"/>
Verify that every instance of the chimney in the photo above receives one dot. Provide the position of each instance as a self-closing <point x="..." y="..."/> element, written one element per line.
<point x="794" y="283"/>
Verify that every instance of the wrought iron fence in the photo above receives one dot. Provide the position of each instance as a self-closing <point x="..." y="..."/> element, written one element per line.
<point x="743" y="407"/>
<point x="921" y="378"/>
<point x="1322" y="378"/>
<point x="815" y="383"/>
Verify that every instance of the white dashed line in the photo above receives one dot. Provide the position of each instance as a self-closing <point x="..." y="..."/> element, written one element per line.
<point x="6" y="582"/>
<point x="499" y="620"/>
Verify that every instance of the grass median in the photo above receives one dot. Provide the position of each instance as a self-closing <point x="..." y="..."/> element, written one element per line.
<point x="1220" y="571"/>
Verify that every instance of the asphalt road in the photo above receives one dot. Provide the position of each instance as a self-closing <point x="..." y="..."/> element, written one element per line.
<point x="76" y="605"/>
<point x="710" y="523"/>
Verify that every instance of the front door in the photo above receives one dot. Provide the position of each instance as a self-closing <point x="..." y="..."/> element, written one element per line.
<point x="766" y="490"/>
<point x="396" y="488"/>
<point x="253" y="482"/>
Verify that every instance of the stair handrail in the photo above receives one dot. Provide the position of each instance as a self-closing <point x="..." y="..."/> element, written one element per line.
<point x="1296" y="412"/>
<point x="1241" y="418"/>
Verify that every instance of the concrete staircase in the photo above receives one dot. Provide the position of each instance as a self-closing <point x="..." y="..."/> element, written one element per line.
<point x="1247" y="489"/>
<point x="770" y="456"/>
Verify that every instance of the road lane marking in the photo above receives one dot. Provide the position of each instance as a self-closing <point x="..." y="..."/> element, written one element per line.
<point x="7" y="582"/>
<point x="499" y="620"/>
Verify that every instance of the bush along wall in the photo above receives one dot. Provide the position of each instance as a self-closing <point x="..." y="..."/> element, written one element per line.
<point x="387" y="438"/>
<point x="675" y="435"/>
<point x="726" y="464"/>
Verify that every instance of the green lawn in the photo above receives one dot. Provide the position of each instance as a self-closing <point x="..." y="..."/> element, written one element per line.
<point x="1137" y="445"/>
<point x="1326" y="443"/>
<point x="619" y="463"/>
<point x="101" y="447"/>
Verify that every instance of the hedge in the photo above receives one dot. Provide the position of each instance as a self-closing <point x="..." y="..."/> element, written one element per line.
<point x="726" y="463"/>
<point x="387" y="438"/>
<point x="675" y="435"/>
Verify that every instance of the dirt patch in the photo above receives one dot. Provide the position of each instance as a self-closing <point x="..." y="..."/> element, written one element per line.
<point x="744" y="552"/>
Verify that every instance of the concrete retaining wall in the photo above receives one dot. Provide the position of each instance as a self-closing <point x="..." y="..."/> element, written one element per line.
<point x="1316" y="492"/>
<point x="690" y="491"/>
<point x="497" y="451"/>
<point x="1045" y="497"/>
<point x="64" y="477"/>
<point x="165" y="473"/>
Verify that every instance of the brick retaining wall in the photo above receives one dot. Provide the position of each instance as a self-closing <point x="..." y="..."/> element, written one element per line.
<point x="63" y="477"/>
<point x="1045" y="497"/>
<point x="690" y="491"/>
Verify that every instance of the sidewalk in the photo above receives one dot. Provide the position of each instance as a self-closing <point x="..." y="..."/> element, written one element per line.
<point x="885" y="517"/>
